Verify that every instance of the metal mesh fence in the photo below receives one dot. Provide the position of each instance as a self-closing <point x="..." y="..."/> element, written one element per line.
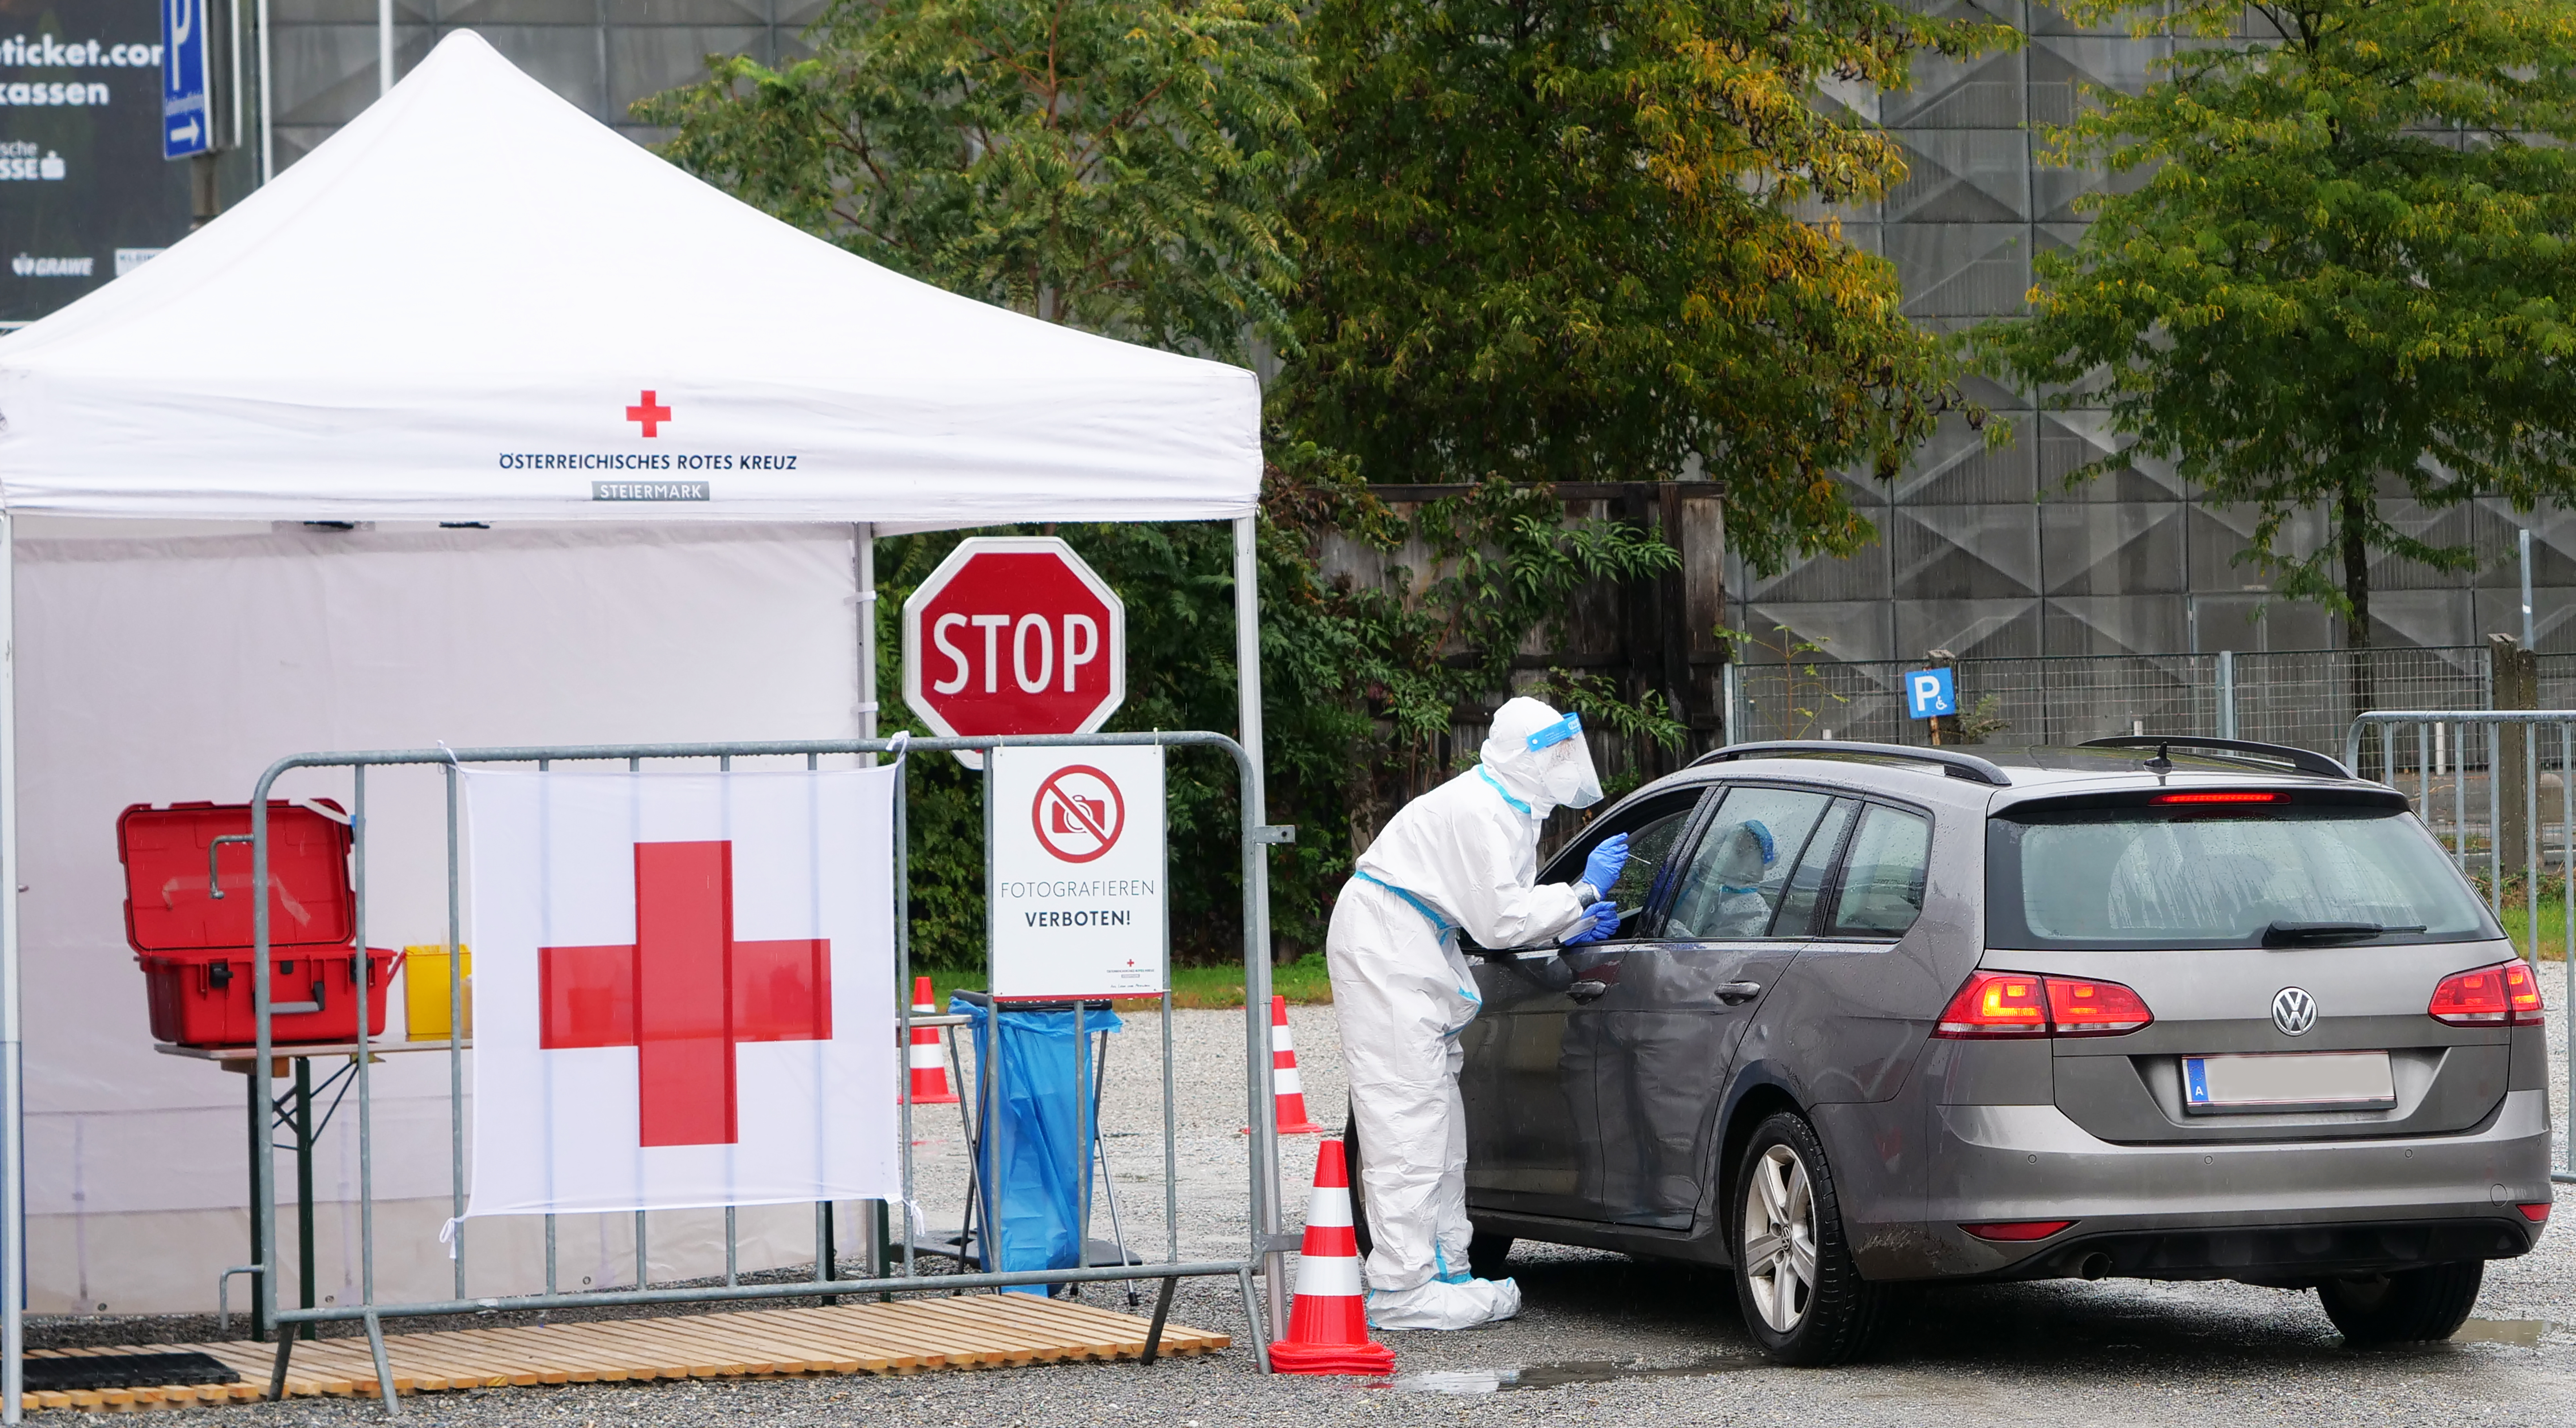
<point x="2306" y="698"/>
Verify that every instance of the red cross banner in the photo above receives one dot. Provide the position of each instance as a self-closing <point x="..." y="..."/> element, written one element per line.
<point x="684" y="989"/>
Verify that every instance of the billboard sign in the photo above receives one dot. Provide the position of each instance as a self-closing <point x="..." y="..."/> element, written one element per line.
<point x="84" y="193"/>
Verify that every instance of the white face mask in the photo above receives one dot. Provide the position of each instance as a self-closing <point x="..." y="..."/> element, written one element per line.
<point x="1565" y="763"/>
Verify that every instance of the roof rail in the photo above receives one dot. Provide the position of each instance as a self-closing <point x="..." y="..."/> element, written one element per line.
<point x="1956" y="765"/>
<point x="2303" y="760"/>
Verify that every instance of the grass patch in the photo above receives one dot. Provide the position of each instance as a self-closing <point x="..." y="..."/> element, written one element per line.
<point x="1303" y="981"/>
<point x="2516" y="917"/>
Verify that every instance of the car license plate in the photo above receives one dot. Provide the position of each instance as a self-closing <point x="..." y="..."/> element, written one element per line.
<point x="2323" y="1080"/>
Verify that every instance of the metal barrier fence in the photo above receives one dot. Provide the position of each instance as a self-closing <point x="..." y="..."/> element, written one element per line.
<point x="1264" y="1247"/>
<point x="2509" y="759"/>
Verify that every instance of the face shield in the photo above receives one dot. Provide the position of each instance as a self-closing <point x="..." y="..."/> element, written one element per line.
<point x="1562" y="762"/>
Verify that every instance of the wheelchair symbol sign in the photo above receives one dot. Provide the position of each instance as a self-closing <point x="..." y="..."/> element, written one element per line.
<point x="1929" y="692"/>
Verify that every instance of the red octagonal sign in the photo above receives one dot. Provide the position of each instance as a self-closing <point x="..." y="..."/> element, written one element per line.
<point x="1014" y="635"/>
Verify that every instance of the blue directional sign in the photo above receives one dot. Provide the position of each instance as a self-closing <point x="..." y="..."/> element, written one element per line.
<point x="1929" y="692"/>
<point x="186" y="117"/>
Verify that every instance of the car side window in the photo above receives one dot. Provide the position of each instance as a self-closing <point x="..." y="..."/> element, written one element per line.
<point x="1882" y="883"/>
<point x="1798" y="905"/>
<point x="1739" y="873"/>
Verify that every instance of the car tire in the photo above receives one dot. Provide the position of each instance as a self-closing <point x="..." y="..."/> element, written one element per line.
<point x="1485" y="1253"/>
<point x="2407" y="1307"/>
<point x="1803" y="1299"/>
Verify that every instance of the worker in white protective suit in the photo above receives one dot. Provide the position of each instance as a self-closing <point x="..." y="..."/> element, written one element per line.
<point x="1462" y="858"/>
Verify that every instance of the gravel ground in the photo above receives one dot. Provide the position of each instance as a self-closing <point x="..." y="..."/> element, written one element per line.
<point x="1606" y="1339"/>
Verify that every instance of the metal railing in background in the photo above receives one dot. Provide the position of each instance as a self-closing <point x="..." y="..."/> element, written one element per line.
<point x="2300" y="697"/>
<point x="1265" y="1246"/>
<point x="2519" y="755"/>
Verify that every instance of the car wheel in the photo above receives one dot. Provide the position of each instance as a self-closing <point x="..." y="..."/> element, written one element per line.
<point x="1803" y="1298"/>
<point x="1485" y="1253"/>
<point x="2409" y="1306"/>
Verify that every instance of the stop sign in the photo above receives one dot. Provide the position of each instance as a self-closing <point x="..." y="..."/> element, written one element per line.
<point x="1014" y="635"/>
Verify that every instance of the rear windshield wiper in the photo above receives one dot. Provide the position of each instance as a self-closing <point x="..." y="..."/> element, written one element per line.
<point x="2295" y="934"/>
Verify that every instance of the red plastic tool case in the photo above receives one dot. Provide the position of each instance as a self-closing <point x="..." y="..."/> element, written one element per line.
<point x="195" y="948"/>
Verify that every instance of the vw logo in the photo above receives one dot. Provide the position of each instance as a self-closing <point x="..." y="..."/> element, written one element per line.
<point x="2293" y="1011"/>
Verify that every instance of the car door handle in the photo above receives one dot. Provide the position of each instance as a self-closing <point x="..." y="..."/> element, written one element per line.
<point x="1588" y="990"/>
<point x="1734" y="992"/>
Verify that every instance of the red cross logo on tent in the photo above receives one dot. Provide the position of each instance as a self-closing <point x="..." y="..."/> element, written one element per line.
<point x="685" y="993"/>
<point x="649" y="413"/>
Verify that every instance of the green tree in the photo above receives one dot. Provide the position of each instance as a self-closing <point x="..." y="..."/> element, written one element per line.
<point x="2344" y="275"/>
<point x="1577" y="240"/>
<point x="1121" y="166"/>
<point x="1115" y="165"/>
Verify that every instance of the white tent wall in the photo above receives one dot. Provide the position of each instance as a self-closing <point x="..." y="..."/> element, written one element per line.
<point x="160" y="661"/>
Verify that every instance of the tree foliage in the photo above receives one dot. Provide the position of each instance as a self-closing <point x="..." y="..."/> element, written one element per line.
<point x="1354" y="680"/>
<point x="1575" y="240"/>
<point x="1116" y="165"/>
<point x="1122" y="166"/>
<point x="2344" y="274"/>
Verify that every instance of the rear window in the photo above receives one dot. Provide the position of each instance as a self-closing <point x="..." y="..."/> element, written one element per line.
<point x="2144" y="878"/>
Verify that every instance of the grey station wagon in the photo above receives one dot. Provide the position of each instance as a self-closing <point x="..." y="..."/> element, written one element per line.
<point x="2164" y="1009"/>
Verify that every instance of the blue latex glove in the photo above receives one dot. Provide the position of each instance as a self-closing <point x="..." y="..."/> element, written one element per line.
<point x="1601" y="869"/>
<point x="1605" y="920"/>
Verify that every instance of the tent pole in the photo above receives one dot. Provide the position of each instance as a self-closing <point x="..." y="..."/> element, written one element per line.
<point x="13" y="1063"/>
<point x="865" y="537"/>
<point x="1256" y="961"/>
<point x="384" y="47"/>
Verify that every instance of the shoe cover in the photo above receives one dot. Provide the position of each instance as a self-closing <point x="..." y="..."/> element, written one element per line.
<point x="1438" y="1305"/>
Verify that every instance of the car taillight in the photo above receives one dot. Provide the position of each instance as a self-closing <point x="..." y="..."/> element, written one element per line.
<point x="2522" y="992"/>
<point x="2538" y="1213"/>
<point x="1996" y="1004"/>
<point x="2502" y="995"/>
<point x="2077" y="1008"/>
<point x="2008" y="1004"/>
<point x="2213" y="796"/>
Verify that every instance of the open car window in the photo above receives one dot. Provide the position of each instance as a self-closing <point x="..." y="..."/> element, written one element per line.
<point x="1653" y="827"/>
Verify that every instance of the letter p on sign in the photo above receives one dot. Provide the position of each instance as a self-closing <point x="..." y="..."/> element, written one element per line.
<point x="1929" y="692"/>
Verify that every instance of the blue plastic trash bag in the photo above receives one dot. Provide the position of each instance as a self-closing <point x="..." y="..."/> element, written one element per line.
<point x="1032" y="1175"/>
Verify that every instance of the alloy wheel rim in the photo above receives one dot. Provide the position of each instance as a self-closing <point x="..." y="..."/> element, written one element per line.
<point x="1780" y="1238"/>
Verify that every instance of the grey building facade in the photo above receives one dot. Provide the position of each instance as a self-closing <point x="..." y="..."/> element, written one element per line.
<point x="1985" y="553"/>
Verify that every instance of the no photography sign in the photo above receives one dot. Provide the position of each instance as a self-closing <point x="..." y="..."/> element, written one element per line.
<point x="1079" y="814"/>
<point x="1077" y="890"/>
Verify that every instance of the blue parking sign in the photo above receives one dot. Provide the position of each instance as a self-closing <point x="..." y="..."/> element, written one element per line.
<point x="1929" y="692"/>
<point x="185" y="118"/>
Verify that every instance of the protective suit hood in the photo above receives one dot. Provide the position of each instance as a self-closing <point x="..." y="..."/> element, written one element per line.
<point x="1539" y="757"/>
<point x="1743" y="852"/>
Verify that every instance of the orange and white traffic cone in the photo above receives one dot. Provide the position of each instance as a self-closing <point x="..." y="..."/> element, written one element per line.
<point x="929" y="1067"/>
<point x="1288" y="1094"/>
<point x="1328" y="1330"/>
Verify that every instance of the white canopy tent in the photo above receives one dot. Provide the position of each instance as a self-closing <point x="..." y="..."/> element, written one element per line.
<point x="476" y="303"/>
